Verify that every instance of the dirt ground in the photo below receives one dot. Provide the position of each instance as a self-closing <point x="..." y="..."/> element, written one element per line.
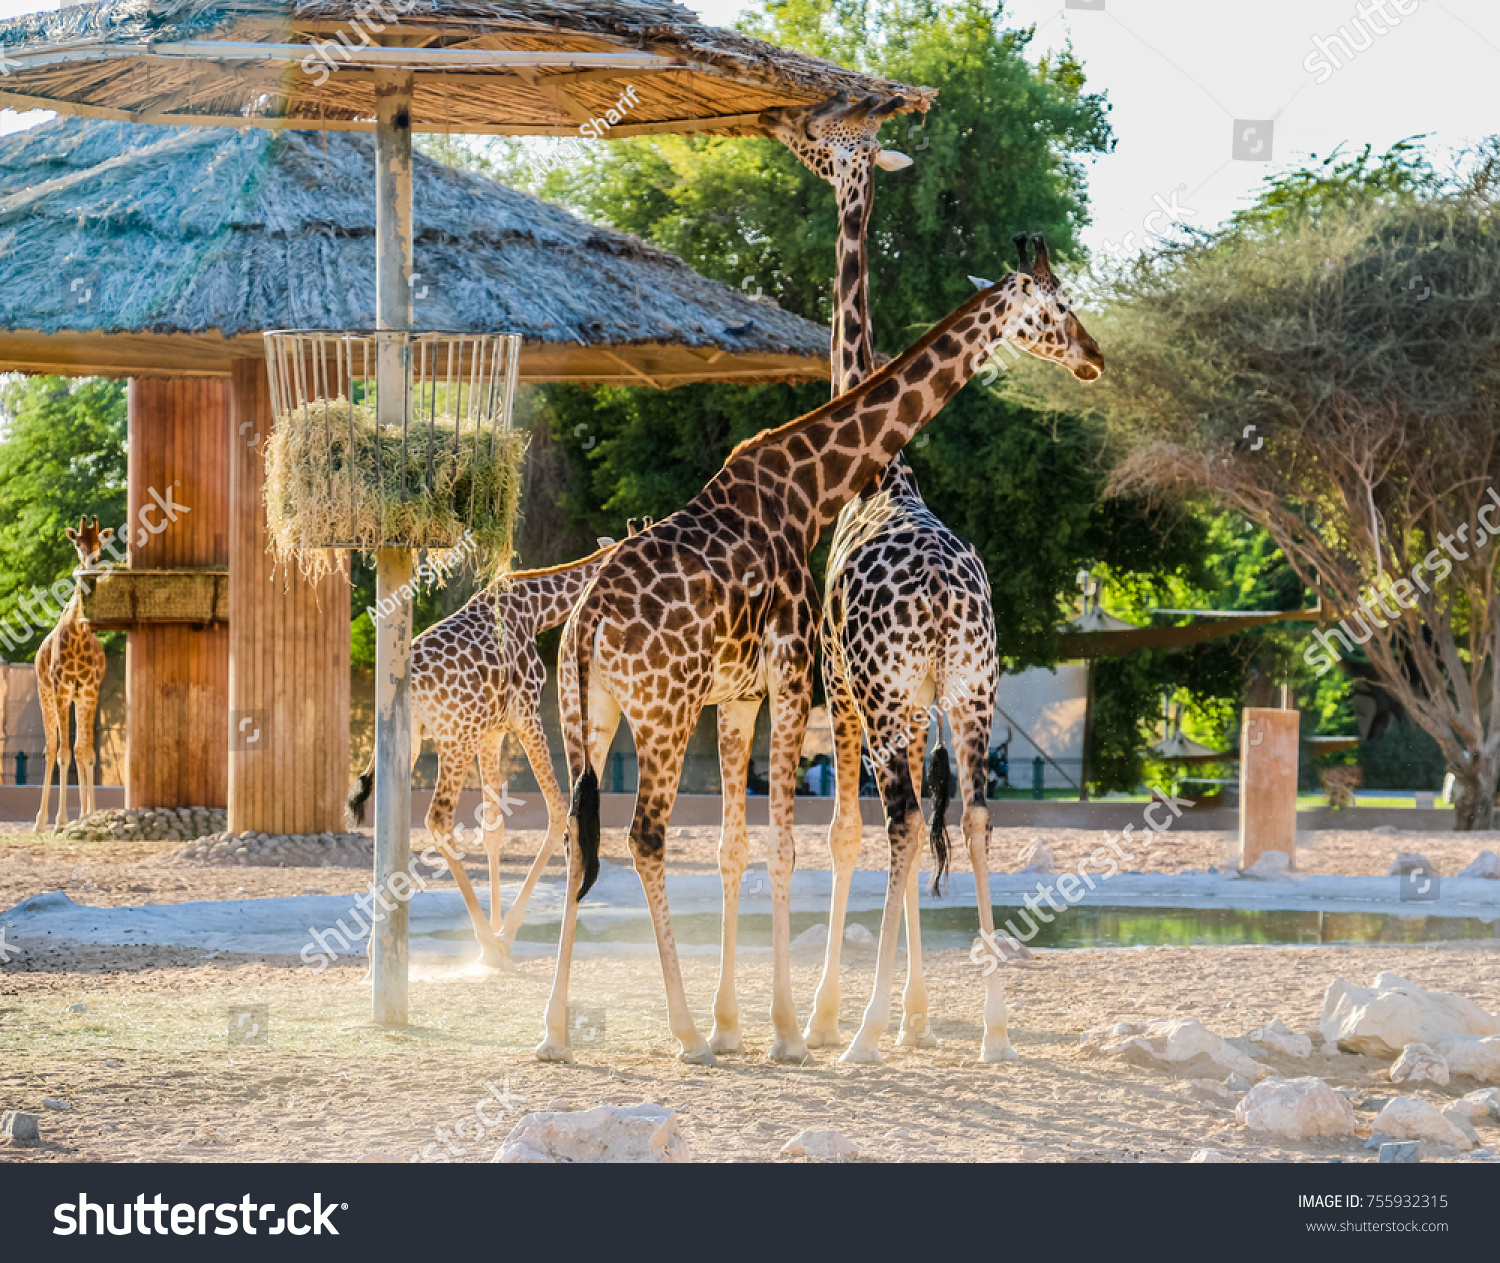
<point x="114" y="872"/>
<point x="146" y="1071"/>
<point x="137" y="1041"/>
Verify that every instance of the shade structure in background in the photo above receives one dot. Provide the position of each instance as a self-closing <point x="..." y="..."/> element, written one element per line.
<point x="461" y="66"/>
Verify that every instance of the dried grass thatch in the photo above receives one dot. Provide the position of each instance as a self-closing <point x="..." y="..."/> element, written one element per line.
<point x="336" y="479"/>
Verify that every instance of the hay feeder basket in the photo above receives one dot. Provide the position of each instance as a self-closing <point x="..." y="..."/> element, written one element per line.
<point x="337" y="476"/>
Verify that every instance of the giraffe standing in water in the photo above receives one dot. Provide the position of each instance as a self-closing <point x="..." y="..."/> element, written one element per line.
<point x="715" y="604"/>
<point x="70" y="671"/>
<point x="476" y="676"/>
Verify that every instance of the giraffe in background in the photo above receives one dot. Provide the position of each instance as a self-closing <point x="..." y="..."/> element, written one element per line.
<point x="70" y="671"/>
<point x="476" y="676"/>
<point x="673" y="621"/>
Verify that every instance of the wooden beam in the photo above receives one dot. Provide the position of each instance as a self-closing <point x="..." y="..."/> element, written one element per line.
<point x="126" y="598"/>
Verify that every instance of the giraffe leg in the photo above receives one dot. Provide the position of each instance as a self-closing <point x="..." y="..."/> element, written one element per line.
<point x="971" y="731"/>
<point x="660" y="767"/>
<point x="736" y="732"/>
<point x="604" y="717"/>
<point x="915" y="1031"/>
<point x="903" y="814"/>
<point x="453" y="762"/>
<point x="791" y="699"/>
<point x="48" y="698"/>
<point x="534" y="741"/>
<point x="64" y="755"/>
<point x="843" y="846"/>
<point x="492" y="820"/>
<point x="84" y="707"/>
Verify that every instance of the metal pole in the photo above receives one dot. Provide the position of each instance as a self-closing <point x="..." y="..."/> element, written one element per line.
<point x="1088" y="733"/>
<point x="393" y="566"/>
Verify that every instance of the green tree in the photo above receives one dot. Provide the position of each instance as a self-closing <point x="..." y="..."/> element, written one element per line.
<point x="62" y="454"/>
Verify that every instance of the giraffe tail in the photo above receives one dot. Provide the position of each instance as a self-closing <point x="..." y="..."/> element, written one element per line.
<point x="583" y="812"/>
<point x="940" y="778"/>
<point x="359" y="794"/>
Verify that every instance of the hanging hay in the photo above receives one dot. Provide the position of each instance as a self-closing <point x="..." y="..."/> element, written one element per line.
<point x="336" y="480"/>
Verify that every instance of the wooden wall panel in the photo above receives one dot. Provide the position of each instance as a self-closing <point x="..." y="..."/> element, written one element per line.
<point x="289" y="656"/>
<point x="177" y="675"/>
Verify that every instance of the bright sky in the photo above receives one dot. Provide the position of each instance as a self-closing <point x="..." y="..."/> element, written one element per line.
<point x="1181" y="74"/>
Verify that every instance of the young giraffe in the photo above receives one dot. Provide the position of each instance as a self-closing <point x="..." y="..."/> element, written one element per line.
<point x="842" y="146"/>
<point x="70" y="670"/>
<point x="670" y="624"/>
<point x="476" y="676"/>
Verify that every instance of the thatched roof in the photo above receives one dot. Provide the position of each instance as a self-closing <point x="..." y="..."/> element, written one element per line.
<point x="538" y="67"/>
<point x="149" y="249"/>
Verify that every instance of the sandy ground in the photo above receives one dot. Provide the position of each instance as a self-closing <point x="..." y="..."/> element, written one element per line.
<point x="147" y="1072"/>
<point x="114" y="872"/>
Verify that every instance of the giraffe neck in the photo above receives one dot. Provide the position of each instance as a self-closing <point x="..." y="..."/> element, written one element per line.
<point x="853" y="357"/>
<point x="823" y="460"/>
<point x="552" y="593"/>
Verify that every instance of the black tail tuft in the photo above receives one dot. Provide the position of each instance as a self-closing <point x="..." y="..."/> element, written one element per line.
<point x="359" y="795"/>
<point x="940" y="778"/>
<point x="584" y="814"/>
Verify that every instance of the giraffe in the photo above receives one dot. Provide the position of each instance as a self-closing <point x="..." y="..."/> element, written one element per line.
<point x="476" y="676"/>
<point x="714" y="604"/>
<point x="840" y="143"/>
<point x="70" y="670"/>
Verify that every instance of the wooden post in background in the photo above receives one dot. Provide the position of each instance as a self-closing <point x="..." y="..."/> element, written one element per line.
<point x="177" y="674"/>
<point x="1268" y="783"/>
<point x="288" y="741"/>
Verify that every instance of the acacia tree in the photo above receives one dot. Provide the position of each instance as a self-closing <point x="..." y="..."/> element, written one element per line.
<point x="1330" y="367"/>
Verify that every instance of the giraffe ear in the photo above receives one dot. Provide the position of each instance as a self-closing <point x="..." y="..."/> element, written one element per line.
<point x="890" y="160"/>
<point x="980" y="282"/>
<point x="107" y="534"/>
<point x="604" y="541"/>
<point x="71" y="534"/>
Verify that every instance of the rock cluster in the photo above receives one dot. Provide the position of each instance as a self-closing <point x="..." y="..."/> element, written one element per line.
<point x="638" y="1133"/>
<point x="148" y="824"/>
<point x="281" y="850"/>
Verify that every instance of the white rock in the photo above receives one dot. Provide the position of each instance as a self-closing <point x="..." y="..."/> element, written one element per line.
<point x="820" y="1143"/>
<point x="1467" y="1107"/>
<point x="1474" y="1058"/>
<point x="1382" y="1019"/>
<point x="855" y="935"/>
<point x="1407" y="1118"/>
<point x="1419" y="1064"/>
<point x="606" y="1133"/>
<point x="1462" y="1121"/>
<point x="1269" y="867"/>
<point x="1297" y="1109"/>
<point x="1488" y="1098"/>
<point x="814" y="938"/>
<point x="1173" y="1040"/>
<point x="1036" y="857"/>
<point x="1277" y="1037"/>
<point x="1486" y="864"/>
<point x="1212" y="1155"/>
<point x="1410" y="862"/>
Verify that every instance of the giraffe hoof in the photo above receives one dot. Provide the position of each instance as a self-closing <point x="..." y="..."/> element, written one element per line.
<point x="794" y="1050"/>
<point x="548" y="1051"/>
<point x="726" y="1041"/>
<point x="698" y="1056"/>
<point x="917" y="1039"/>
<point x="859" y="1053"/>
<point x="994" y="1054"/>
<point x="822" y="1036"/>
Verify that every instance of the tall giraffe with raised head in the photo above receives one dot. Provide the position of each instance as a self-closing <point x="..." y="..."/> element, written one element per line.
<point x="476" y="676"/>
<point x="714" y="604"/>
<point x="70" y="671"/>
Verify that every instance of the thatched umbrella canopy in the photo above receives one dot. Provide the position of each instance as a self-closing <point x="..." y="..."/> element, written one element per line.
<point x="138" y="249"/>
<point x="539" y="68"/>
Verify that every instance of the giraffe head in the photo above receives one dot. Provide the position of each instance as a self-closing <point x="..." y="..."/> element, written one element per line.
<point x="1040" y="317"/>
<point x="88" y="540"/>
<point x="838" y="139"/>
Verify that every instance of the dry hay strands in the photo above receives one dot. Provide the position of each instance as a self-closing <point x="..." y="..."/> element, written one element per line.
<point x="335" y="479"/>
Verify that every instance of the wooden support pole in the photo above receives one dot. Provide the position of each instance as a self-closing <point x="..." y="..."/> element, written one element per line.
<point x="393" y="566"/>
<point x="1268" y="783"/>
